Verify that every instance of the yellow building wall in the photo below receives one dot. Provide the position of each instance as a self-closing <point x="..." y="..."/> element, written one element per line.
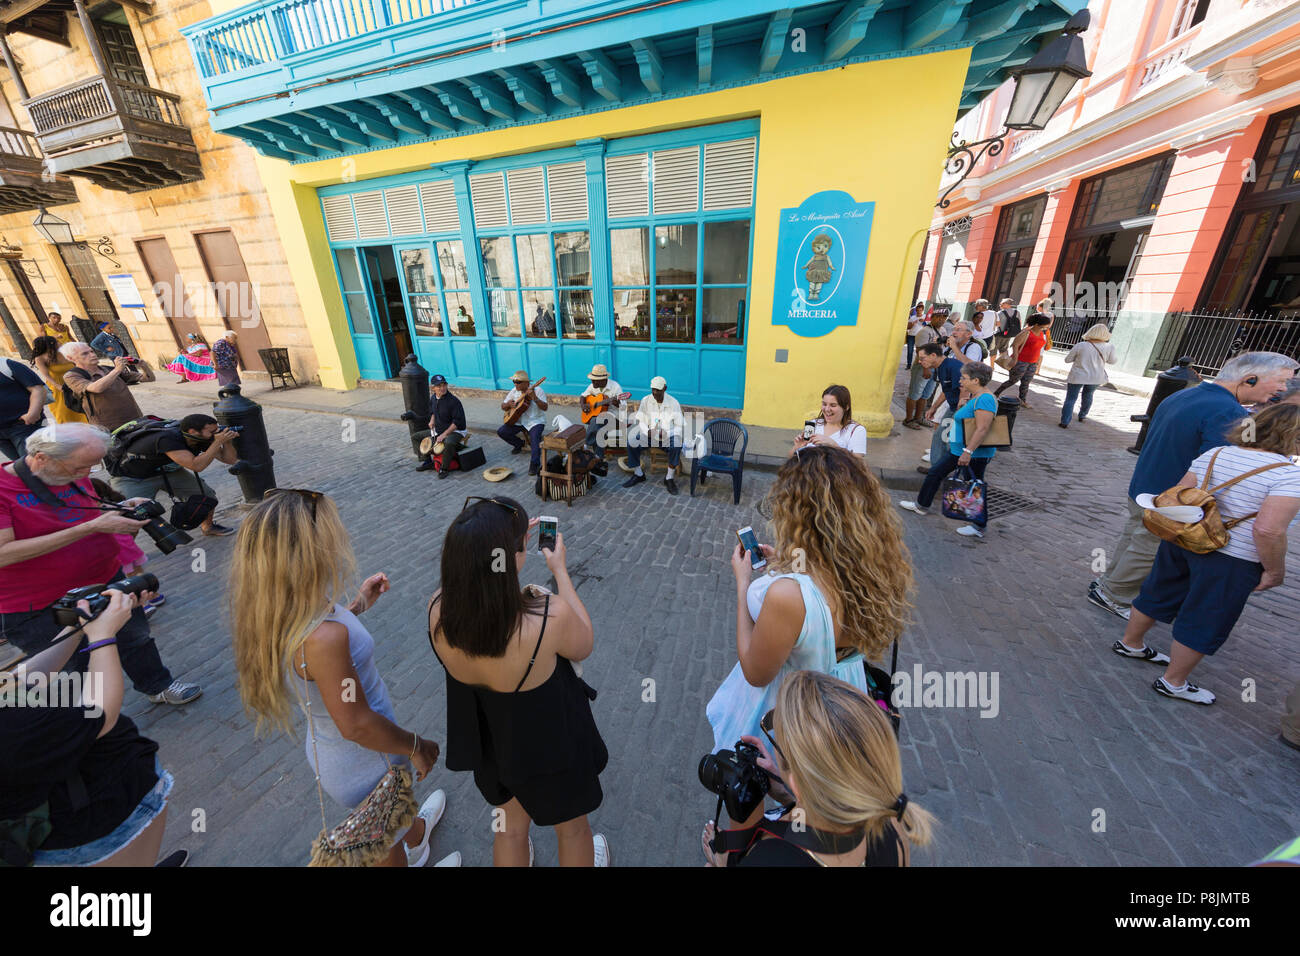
<point x="875" y="130"/>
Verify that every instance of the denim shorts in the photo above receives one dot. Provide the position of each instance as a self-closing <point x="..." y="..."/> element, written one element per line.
<point x="919" y="387"/>
<point x="145" y="812"/>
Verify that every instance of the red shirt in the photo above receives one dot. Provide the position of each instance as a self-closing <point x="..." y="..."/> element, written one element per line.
<point x="1032" y="350"/>
<point x="38" y="582"/>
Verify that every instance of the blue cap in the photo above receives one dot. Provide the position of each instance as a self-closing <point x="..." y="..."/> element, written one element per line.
<point x="438" y="380"/>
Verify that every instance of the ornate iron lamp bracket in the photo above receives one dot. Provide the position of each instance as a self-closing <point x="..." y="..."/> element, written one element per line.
<point x="962" y="158"/>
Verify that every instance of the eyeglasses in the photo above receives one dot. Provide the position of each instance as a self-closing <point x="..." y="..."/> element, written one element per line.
<point x="312" y="496"/>
<point x="767" y="724"/>
<point x="496" y="501"/>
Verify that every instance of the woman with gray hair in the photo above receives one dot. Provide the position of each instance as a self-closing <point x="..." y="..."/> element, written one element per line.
<point x="1088" y="361"/>
<point x="980" y="406"/>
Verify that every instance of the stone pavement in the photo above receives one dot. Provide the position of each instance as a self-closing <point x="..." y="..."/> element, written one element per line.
<point x="1077" y="729"/>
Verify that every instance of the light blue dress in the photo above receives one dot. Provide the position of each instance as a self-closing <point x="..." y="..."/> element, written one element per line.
<point x="738" y="706"/>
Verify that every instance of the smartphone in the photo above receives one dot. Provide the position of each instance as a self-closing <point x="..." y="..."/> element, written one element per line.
<point x="750" y="544"/>
<point x="809" y="429"/>
<point x="547" y="529"/>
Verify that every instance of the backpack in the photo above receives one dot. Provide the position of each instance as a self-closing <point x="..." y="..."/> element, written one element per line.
<point x="121" y="462"/>
<point x="71" y="400"/>
<point x="1211" y="532"/>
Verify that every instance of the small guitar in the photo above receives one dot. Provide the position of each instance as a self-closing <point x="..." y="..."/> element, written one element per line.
<point x="516" y="413"/>
<point x="593" y="405"/>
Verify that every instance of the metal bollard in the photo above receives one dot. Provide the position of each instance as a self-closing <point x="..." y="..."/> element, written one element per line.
<point x="254" y="469"/>
<point x="1167" y="383"/>
<point x="415" y="396"/>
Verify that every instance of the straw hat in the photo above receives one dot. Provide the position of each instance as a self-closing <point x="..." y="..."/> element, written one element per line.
<point x="499" y="473"/>
<point x="598" y="371"/>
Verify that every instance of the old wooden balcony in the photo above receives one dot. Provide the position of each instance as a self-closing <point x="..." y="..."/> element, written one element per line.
<point x="25" y="181"/>
<point x="117" y="134"/>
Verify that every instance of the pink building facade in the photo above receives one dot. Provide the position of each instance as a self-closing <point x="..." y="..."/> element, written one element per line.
<point x="1163" y="198"/>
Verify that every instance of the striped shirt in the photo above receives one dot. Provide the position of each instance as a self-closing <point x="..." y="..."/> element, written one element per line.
<point x="1246" y="497"/>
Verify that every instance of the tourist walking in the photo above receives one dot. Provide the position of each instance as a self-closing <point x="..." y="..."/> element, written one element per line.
<point x="225" y="359"/>
<point x="1087" y="361"/>
<point x="1256" y="487"/>
<point x="518" y="714"/>
<point x="1028" y="348"/>
<point x="295" y="639"/>
<point x="1008" y="327"/>
<point x="1187" y="424"/>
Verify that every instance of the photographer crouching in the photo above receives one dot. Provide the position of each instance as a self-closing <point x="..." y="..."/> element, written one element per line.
<point x="836" y="773"/>
<point x="154" y="455"/>
<point x="79" y="785"/>
<point x="57" y="535"/>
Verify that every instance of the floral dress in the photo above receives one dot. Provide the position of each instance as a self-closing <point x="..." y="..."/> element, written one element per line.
<point x="194" y="364"/>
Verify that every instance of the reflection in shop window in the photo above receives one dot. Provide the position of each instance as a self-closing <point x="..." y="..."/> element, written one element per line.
<point x="675" y="315"/>
<point x="354" y="291"/>
<point x="505" y="313"/>
<point x="451" y="265"/>
<point x="460" y="313"/>
<point x="723" y="316"/>
<point x="577" y="315"/>
<point x="632" y="315"/>
<point x="630" y="256"/>
<point x="535" y="261"/>
<point x="675" y="254"/>
<point x="726" y="253"/>
<point x="498" y="264"/>
<point x="539" y="307"/>
<point x="427" y="317"/>
<point x="573" y="258"/>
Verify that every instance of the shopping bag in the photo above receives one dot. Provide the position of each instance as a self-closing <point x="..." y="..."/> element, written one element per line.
<point x="964" y="496"/>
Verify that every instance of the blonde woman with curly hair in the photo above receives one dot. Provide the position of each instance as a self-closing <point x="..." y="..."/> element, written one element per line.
<point x="836" y="768"/>
<point x="835" y="594"/>
<point x="296" y="641"/>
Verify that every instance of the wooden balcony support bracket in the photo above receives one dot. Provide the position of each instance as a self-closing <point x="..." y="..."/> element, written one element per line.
<point x="603" y="74"/>
<point x="704" y="54"/>
<point x="564" y="83"/>
<point x="429" y="108"/>
<point x="927" y="22"/>
<point x="340" y="128"/>
<point x="528" y="94"/>
<point x="399" y="115"/>
<point x="461" y="105"/>
<point x="367" y="118"/>
<point x="650" y="64"/>
<point x="847" y="30"/>
<point x="491" y="98"/>
<point x="773" y="45"/>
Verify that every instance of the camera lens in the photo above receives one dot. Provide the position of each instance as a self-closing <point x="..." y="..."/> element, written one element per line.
<point x="711" y="772"/>
<point x="166" y="537"/>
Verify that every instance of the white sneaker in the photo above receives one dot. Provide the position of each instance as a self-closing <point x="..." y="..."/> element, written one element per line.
<point x="431" y="812"/>
<point x="926" y="457"/>
<point x="1189" y="691"/>
<point x="970" y="531"/>
<point x="451" y="859"/>
<point x="601" y="846"/>
<point x="531" y="855"/>
<point x="913" y="507"/>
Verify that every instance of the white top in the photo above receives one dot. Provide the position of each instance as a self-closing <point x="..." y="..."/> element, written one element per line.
<point x="988" y="324"/>
<point x="851" y="437"/>
<point x="914" y="322"/>
<point x="1248" y="496"/>
<point x="534" y="415"/>
<point x="610" y="390"/>
<point x="666" y="415"/>
<point x="1088" y="364"/>
<point x="972" y="350"/>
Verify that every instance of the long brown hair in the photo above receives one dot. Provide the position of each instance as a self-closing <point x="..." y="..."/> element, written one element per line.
<point x="832" y="518"/>
<point x="1275" y="428"/>
<point x="841" y="395"/>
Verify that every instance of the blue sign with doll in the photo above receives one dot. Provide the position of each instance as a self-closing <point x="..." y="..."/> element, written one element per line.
<point x="821" y="256"/>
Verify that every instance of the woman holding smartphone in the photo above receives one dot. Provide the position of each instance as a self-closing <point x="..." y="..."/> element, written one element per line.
<point x="811" y="611"/>
<point x="836" y="427"/>
<point x="517" y="713"/>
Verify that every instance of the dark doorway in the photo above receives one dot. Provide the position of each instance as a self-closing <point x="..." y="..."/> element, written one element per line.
<point x="390" y="311"/>
<point x="234" y="293"/>
<point x="80" y="263"/>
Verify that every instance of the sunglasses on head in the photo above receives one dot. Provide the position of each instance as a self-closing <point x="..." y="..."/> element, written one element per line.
<point x="312" y="496"/>
<point x="496" y="501"/>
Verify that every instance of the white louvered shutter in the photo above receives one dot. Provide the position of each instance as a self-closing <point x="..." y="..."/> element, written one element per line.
<point x="567" y="185"/>
<point x="488" y="194"/>
<point x="339" y="222"/>
<point x="404" y="211"/>
<point x="372" y="223"/>
<point x="527" y="196"/>
<point x="677" y="180"/>
<point x="440" y="211"/>
<point x="627" y="185"/>
<point x="729" y="174"/>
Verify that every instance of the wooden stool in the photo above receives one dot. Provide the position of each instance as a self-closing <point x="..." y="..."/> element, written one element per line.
<point x="566" y="442"/>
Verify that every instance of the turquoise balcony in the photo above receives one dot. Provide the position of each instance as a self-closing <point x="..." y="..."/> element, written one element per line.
<point x="308" y="79"/>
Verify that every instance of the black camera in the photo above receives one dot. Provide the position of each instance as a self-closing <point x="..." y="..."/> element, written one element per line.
<point x="737" y="778"/>
<point x="165" y="536"/>
<point x="67" y="614"/>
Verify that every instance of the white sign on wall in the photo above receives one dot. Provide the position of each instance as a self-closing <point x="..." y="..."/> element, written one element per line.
<point x="124" y="288"/>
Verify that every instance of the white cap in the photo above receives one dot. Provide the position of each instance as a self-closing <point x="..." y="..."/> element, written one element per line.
<point x="54" y="309"/>
<point x="1188" y="514"/>
<point x="658" y="382"/>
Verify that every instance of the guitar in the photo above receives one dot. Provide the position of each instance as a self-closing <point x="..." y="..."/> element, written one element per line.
<point x="516" y="413"/>
<point x="593" y="405"/>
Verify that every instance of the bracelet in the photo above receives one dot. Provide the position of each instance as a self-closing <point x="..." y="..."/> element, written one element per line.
<point x="967" y="451"/>
<point x="415" y="746"/>
<point x="99" y="644"/>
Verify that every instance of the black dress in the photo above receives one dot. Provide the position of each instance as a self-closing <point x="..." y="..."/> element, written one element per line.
<point x="540" y="746"/>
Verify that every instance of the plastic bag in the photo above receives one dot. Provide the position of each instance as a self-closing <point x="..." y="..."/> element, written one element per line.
<point x="964" y="496"/>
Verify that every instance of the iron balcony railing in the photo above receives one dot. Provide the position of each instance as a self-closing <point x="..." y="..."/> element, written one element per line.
<point x="281" y="29"/>
<point x="1211" y="338"/>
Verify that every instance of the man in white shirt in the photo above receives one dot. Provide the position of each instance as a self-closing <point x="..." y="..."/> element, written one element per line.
<point x="602" y="389"/>
<point x="659" y="424"/>
<point x="986" y="321"/>
<point x="531" y="424"/>
<point x="963" y="345"/>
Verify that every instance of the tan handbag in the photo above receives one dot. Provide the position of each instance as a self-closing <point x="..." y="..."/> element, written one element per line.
<point x="998" y="435"/>
<point x="367" y="834"/>
<point x="1006" y="362"/>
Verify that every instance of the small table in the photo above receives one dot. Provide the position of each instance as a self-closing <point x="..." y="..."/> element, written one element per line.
<point x="567" y="442"/>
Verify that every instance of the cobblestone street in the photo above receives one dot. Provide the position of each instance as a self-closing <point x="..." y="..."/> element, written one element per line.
<point x="1077" y="730"/>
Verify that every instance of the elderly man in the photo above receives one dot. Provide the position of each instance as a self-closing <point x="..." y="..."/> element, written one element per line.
<point x="22" y="405"/>
<point x="530" y="425"/>
<point x="446" y="425"/>
<point x="659" y="424"/>
<point x="103" y="391"/>
<point x="963" y="345"/>
<point x="600" y="400"/>
<point x="54" y="537"/>
<point x="1187" y="424"/>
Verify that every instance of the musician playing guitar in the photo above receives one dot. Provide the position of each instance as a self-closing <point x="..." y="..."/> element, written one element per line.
<point x="602" y="397"/>
<point x="526" y="405"/>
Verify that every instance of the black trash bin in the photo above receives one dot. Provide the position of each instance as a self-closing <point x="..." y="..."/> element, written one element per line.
<point x="1167" y="383"/>
<point x="277" y="366"/>
<point x="1009" y="405"/>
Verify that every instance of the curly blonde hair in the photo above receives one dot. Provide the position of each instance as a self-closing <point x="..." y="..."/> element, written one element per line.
<point x="832" y="519"/>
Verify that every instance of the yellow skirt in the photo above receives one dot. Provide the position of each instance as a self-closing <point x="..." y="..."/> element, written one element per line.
<point x="58" y="410"/>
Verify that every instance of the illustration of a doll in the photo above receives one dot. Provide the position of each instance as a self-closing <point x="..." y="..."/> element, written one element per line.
<point x="818" y="269"/>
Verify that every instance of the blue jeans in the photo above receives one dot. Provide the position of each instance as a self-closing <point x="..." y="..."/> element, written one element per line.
<point x="510" y="434"/>
<point x="32" y="631"/>
<point x="1072" y="391"/>
<point x="13" y="438"/>
<point x="911" y="346"/>
<point x="941" y="470"/>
